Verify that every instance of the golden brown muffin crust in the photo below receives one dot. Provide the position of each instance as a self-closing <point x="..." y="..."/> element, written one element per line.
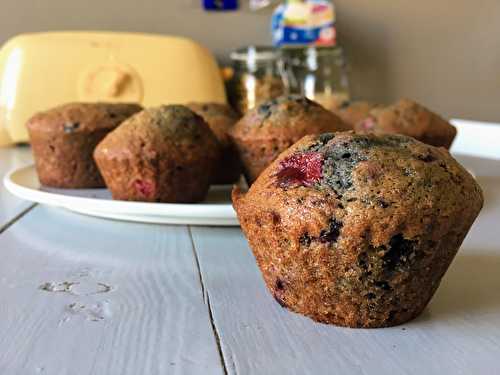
<point x="162" y="154"/>
<point x="357" y="230"/>
<point x="352" y="113"/>
<point x="409" y="118"/>
<point x="63" y="140"/>
<point x="82" y="117"/>
<point x="273" y="126"/>
<point x="221" y="118"/>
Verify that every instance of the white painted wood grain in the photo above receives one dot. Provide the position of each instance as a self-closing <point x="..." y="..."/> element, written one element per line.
<point x="459" y="333"/>
<point x="11" y="206"/>
<point x="152" y="321"/>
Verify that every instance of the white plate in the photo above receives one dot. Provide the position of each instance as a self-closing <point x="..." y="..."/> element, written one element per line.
<point x="216" y="210"/>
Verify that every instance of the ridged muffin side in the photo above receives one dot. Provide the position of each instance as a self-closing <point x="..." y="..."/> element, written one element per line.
<point x="162" y="154"/>
<point x="63" y="140"/>
<point x="409" y="118"/>
<point x="358" y="230"/>
<point x="273" y="126"/>
<point x="221" y="119"/>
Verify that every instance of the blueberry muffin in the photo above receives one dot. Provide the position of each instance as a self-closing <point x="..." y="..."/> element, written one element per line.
<point x="354" y="112"/>
<point x="273" y="126"/>
<point x="409" y="118"/>
<point x="162" y="154"/>
<point x="221" y="118"/>
<point x="63" y="140"/>
<point x="358" y="230"/>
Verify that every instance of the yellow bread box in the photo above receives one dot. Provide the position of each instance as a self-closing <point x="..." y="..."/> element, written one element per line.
<point x="42" y="70"/>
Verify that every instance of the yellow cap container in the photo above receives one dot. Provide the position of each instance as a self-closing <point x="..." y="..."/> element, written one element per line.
<point x="42" y="70"/>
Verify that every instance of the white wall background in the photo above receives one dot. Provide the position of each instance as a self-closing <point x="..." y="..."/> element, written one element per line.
<point x="444" y="53"/>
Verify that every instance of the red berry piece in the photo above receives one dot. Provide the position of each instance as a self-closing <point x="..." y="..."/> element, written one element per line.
<point x="368" y="124"/>
<point x="300" y="169"/>
<point x="145" y="188"/>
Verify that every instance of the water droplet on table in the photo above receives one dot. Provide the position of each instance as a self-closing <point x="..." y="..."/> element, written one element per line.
<point x="94" y="312"/>
<point x="77" y="288"/>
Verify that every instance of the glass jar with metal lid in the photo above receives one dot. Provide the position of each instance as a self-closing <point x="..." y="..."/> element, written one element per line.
<point x="255" y="78"/>
<point x="318" y="73"/>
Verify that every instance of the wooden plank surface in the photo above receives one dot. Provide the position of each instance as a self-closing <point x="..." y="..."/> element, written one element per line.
<point x="10" y="206"/>
<point x="80" y="295"/>
<point x="459" y="333"/>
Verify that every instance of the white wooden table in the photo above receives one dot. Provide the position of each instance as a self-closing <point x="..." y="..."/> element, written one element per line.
<point x="80" y="295"/>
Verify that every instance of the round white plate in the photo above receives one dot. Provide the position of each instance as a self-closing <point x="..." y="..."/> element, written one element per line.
<point x="216" y="210"/>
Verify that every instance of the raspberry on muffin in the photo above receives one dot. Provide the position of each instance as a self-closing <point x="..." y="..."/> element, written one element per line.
<point x="273" y="126"/>
<point x="354" y="112"/>
<point x="357" y="230"/>
<point x="409" y="118"/>
<point x="221" y="118"/>
<point x="63" y="141"/>
<point x="162" y="154"/>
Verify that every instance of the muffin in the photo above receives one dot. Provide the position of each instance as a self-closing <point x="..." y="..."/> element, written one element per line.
<point x="354" y="112"/>
<point x="162" y="154"/>
<point x="221" y="118"/>
<point x="63" y="140"/>
<point x="273" y="126"/>
<point x="409" y="118"/>
<point x="358" y="230"/>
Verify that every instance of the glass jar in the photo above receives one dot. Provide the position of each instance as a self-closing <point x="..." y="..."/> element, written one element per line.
<point x="319" y="73"/>
<point x="255" y="77"/>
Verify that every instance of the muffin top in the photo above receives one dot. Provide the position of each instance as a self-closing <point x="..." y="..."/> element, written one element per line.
<point x="287" y="115"/>
<point x="170" y="127"/>
<point x="82" y="117"/>
<point x="220" y="118"/>
<point x="409" y="118"/>
<point x="374" y="186"/>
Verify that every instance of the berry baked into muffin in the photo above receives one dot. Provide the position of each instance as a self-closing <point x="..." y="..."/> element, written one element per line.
<point x="409" y="118"/>
<point x="221" y="118"/>
<point x="358" y="230"/>
<point x="63" y="140"/>
<point x="163" y="154"/>
<point x="273" y="126"/>
<point x="353" y="112"/>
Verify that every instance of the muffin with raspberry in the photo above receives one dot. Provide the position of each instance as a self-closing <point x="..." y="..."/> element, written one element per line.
<point x="162" y="154"/>
<point x="354" y="112"/>
<point x="358" y="230"/>
<point x="63" y="140"/>
<point x="221" y="118"/>
<point x="409" y="118"/>
<point x="273" y="126"/>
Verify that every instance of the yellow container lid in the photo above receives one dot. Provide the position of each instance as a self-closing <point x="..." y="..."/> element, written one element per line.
<point x="39" y="71"/>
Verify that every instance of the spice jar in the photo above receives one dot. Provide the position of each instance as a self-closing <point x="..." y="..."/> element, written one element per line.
<point x="256" y="77"/>
<point x="318" y="73"/>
